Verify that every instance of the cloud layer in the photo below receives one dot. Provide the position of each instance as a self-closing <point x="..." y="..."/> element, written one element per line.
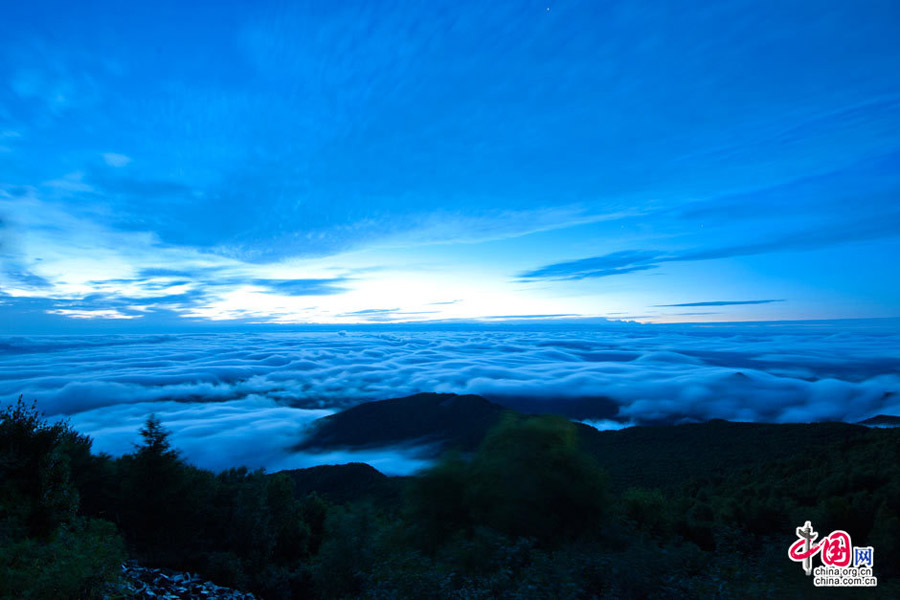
<point x="245" y="398"/>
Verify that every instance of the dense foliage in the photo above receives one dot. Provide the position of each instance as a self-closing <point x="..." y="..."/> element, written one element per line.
<point x="530" y="514"/>
<point x="48" y="550"/>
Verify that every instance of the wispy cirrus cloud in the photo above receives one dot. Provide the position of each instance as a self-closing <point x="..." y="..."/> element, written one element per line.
<point x="58" y="262"/>
<point x="373" y="311"/>
<point x="25" y="277"/>
<point x="630" y="261"/>
<point x="718" y="303"/>
<point x="386" y="314"/>
<point x="304" y="287"/>
<point x="116" y="160"/>
<point x="544" y="316"/>
<point x="615" y="263"/>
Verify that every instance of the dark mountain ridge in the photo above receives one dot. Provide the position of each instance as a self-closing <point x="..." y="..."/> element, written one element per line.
<point x="444" y="420"/>
<point x="882" y="421"/>
<point x="646" y="456"/>
<point x="345" y="483"/>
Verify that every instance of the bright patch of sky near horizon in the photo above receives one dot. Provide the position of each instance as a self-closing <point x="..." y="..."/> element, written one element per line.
<point x="165" y="165"/>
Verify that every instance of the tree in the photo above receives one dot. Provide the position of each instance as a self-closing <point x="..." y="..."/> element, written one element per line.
<point x="35" y="485"/>
<point x="529" y="478"/>
<point x="159" y="508"/>
<point x="156" y="441"/>
<point x="46" y="550"/>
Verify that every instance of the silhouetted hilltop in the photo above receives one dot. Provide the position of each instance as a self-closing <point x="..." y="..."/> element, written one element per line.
<point x="345" y="483"/>
<point x="882" y="421"/>
<point x="445" y="420"/>
<point x="579" y="407"/>
<point x="648" y="456"/>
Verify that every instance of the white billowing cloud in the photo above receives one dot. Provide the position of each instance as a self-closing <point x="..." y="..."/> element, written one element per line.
<point x="116" y="160"/>
<point x="245" y="398"/>
<point x="254" y="432"/>
<point x="605" y="424"/>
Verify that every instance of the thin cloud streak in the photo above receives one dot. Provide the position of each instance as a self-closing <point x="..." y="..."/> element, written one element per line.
<point x="629" y="261"/>
<point x="717" y="303"/>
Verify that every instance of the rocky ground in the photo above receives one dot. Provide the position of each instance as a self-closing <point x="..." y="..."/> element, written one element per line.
<point x="142" y="583"/>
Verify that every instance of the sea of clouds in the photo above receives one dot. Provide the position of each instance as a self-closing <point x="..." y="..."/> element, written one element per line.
<point x="244" y="399"/>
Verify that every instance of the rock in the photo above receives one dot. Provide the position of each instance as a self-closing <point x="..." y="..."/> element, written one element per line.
<point x="143" y="583"/>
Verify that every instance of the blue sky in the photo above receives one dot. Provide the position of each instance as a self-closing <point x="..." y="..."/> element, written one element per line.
<point x="167" y="165"/>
